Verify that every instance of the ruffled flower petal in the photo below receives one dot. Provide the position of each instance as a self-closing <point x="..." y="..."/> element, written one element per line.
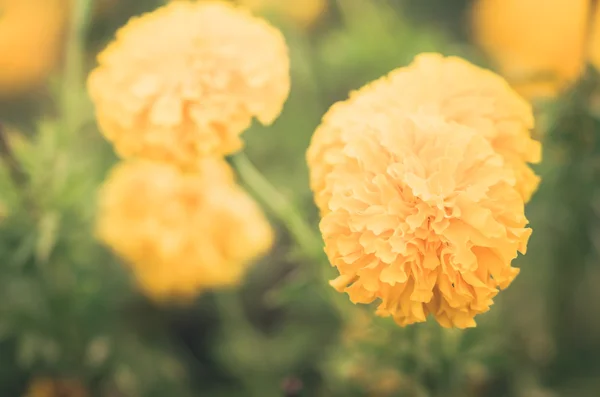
<point x="186" y="80"/>
<point x="416" y="179"/>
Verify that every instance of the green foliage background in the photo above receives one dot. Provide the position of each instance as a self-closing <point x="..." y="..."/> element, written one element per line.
<point x="68" y="308"/>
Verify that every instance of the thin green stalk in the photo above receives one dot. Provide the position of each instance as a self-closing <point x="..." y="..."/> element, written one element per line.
<point x="303" y="234"/>
<point x="305" y="237"/>
<point x="73" y="72"/>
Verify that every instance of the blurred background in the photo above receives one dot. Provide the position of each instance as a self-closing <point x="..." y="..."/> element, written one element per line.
<point x="73" y="324"/>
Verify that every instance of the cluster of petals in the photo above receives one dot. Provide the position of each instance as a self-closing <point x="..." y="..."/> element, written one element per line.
<point x="451" y="87"/>
<point x="421" y="179"/>
<point x="539" y="45"/>
<point x="181" y="232"/>
<point x="184" y="81"/>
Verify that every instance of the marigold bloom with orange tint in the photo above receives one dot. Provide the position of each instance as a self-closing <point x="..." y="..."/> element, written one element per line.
<point x="181" y="233"/>
<point x="539" y="45"/>
<point x="186" y="80"/>
<point x="31" y="33"/>
<point x="453" y="88"/>
<point x="421" y="207"/>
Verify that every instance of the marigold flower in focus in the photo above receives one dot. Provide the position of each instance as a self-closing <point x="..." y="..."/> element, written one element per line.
<point x="186" y="80"/>
<point x="181" y="233"/>
<point x="539" y="45"/>
<point x="31" y="33"/>
<point x="456" y="90"/>
<point x="46" y="387"/>
<point x="420" y="209"/>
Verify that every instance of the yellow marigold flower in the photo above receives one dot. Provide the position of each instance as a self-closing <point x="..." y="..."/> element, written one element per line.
<point x="181" y="232"/>
<point x="424" y="216"/>
<point x="31" y="34"/>
<point x="45" y="387"/>
<point x="302" y="14"/>
<point x="459" y="91"/>
<point x="539" y="45"/>
<point x="186" y="80"/>
<point x="420" y="209"/>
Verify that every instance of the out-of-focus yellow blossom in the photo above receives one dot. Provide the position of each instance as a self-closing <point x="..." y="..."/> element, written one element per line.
<point x="181" y="232"/>
<point x="538" y="45"/>
<point x="420" y="209"/>
<point x="303" y="13"/>
<point x="31" y="33"/>
<point x="453" y="88"/>
<point x="46" y="387"/>
<point x="186" y="80"/>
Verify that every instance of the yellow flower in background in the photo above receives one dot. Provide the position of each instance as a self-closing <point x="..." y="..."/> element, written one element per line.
<point x="186" y="80"/>
<point x="31" y="33"/>
<point x="422" y="208"/>
<point x="181" y="233"/>
<point x="459" y="91"/>
<point x="46" y="387"/>
<point x="539" y="45"/>
<point x="300" y="12"/>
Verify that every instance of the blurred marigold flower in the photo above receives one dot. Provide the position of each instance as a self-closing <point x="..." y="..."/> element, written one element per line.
<point x="539" y="45"/>
<point x="181" y="232"/>
<point x="186" y="80"/>
<point x="303" y="15"/>
<point x="46" y="387"/>
<point x="419" y="208"/>
<point x="31" y="33"/>
<point x="455" y="89"/>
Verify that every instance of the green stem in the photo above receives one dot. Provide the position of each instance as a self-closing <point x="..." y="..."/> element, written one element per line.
<point x="73" y="72"/>
<point x="303" y="234"/>
<point x="305" y="237"/>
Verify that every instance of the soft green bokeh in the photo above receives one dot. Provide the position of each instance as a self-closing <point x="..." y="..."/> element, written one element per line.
<point x="68" y="309"/>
